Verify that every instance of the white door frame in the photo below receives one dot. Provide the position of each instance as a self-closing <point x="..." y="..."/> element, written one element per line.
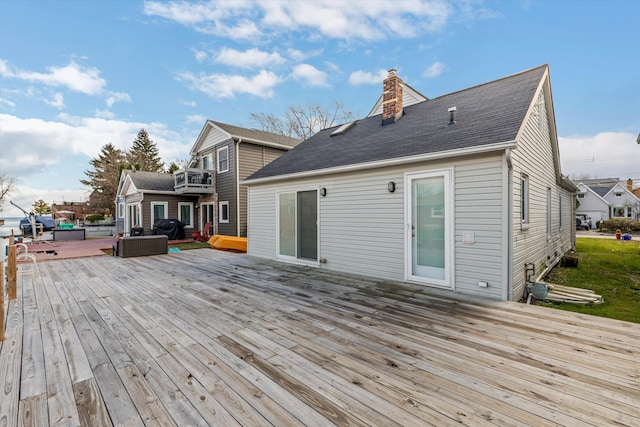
<point x="448" y="281"/>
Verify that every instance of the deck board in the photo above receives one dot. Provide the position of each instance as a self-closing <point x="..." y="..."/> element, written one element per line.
<point x="206" y="337"/>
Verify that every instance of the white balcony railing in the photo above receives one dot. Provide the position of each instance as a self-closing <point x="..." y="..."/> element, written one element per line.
<point x="194" y="181"/>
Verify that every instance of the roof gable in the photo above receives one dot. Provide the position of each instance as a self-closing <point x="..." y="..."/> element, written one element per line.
<point x="487" y="115"/>
<point x="143" y="182"/>
<point x="224" y="132"/>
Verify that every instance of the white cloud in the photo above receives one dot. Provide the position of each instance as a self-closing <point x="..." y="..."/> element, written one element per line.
<point x="57" y="100"/>
<point x="310" y="75"/>
<point x="117" y="97"/>
<point x="7" y="102"/>
<point x="196" y="118"/>
<point x="364" y="77"/>
<point x="200" y="55"/>
<point x="251" y="58"/>
<point x="25" y="195"/>
<point x="30" y="146"/>
<point x="604" y="155"/>
<point x="72" y="76"/>
<point x="188" y="103"/>
<point x="434" y="69"/>
<point x="220" y="86"/>
<point x="105" y="114"/>
<point x="355" y="19"/>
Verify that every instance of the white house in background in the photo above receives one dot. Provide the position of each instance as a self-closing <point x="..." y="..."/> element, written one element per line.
<point x="608" y="198"/>
<point x="462" y="192"/>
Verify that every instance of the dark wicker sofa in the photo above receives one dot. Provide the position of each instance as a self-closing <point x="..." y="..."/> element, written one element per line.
<point x="132" y="246"/>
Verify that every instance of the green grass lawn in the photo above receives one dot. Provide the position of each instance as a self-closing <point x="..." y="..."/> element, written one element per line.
<point x="610" y="268"/>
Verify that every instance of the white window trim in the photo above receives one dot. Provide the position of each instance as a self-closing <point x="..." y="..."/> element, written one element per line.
<point x="295" y="259"/>
<point x="220" y="205"/>
<point x="210" y="158"/>
<point x="166" y="211"/>
<point x="219" y="169"/>
<point x="190" y="204"/>
<point x="449" y="278"/>
<point x="524" y="202"/>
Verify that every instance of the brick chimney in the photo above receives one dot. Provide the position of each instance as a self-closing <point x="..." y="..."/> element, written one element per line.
<point x="630" y="185"/>
<point x="391" y="98"/>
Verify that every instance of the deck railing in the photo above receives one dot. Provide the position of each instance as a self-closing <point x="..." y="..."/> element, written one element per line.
<point x="12" y="281"/>
<point x="195" y="181"/>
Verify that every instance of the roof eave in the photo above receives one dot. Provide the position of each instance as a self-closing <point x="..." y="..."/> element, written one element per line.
<point x="385" y="163"/>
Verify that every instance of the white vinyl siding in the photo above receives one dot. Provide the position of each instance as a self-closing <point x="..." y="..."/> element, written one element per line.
<point x="534" y="157"/>
<point x="362" y="225"/>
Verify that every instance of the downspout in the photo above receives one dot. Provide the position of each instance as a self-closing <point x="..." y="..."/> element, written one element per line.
<point x="509" y="224"/>
<point x="237" y="185"/>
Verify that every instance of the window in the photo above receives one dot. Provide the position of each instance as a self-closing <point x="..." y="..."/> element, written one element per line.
<point x="298" y="225"/>
<point x="133" y="218"/>
<point x="223" y="212"/>
<point x="158" y="211"/>
<point x="185" y="213"/>
<point x="223" y="159"/>
<point x="524" y="199"/>
<point x="207" y="162"/>
<point x="121" y="210"/>
<point x="560" y="209"/>
<point x="618" y="194"/>
<point x="580" y="195"/>
<point x="548" y="211"/>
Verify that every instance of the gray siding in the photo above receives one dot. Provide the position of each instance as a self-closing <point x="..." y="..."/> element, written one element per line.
<point x="362" y="225"/>
<point x="226" y="190"/>
<point x="534" y="157"/>
<point x="172" y="208"/>
<point x="251" y="158"/>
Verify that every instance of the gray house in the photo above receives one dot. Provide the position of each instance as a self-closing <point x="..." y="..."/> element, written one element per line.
<point x="230" y="154"/>
<point x="461" y="192"/>
<point x="145" y="197"/>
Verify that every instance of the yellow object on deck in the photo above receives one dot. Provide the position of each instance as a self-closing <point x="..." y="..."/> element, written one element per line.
<point x="219" y="241"/>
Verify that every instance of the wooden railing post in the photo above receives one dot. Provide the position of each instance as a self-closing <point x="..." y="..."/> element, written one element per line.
<point x="12" y="270"/>
<point x="2" y="299"/>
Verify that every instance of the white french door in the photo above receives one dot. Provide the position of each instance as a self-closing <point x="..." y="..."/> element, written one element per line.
<point x="429" y="237"/>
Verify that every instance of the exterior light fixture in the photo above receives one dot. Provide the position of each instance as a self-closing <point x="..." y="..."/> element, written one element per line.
<point x="323" y="191"/>
<point x="391" y="186"/>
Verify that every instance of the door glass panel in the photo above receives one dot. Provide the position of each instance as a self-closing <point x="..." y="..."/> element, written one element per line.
<point x="308" y="224"/>
<point x="287" y="209"/>
<point x="428" y="227"/>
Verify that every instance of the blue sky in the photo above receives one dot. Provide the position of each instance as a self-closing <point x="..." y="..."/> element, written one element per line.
<point x="75" y="75"/>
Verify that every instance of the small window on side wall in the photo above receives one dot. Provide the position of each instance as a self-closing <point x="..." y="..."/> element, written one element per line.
<point x="185" y="213"/>
<point x="223" y="212"/>
<point x="524" y="200"/>
<point x="223" y="159"/>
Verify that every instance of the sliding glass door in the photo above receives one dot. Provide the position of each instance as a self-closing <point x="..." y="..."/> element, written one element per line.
<point x="298" y="225"/>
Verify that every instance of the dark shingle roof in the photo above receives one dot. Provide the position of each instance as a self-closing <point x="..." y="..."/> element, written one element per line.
<point x="152" y="181"/>
<point x="257" y="135"/>
<point x="487" y="114"/>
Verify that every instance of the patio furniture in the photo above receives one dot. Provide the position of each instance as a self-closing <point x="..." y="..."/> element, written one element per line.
<point x="134" y="246"/>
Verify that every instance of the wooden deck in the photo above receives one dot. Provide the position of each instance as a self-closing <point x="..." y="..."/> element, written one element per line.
<point x="213" y="338"/>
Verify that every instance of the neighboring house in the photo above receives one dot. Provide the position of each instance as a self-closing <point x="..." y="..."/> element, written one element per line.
<point x="232" y="153"/>
<point x="608" y="198"/>
<point x="462" y="192"/>
<point x="146" y="197"/>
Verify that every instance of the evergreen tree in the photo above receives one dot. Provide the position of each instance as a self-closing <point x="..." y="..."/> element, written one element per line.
<point x="173" y="167"/>
<point x="105" y="176"/>
<point x="144" y="154"/>
<point x="40" y="207"/>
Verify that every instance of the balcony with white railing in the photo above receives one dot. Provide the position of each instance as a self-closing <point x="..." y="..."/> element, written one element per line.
<point x="193" y="181"/>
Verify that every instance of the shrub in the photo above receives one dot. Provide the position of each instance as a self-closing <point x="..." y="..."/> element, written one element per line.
<point x="598" y="224"/>
<point x="95" y="217"/>
<point x="624" y="225"/>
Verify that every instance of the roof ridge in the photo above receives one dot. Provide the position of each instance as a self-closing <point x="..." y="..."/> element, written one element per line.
<point x="489" y="82"/>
